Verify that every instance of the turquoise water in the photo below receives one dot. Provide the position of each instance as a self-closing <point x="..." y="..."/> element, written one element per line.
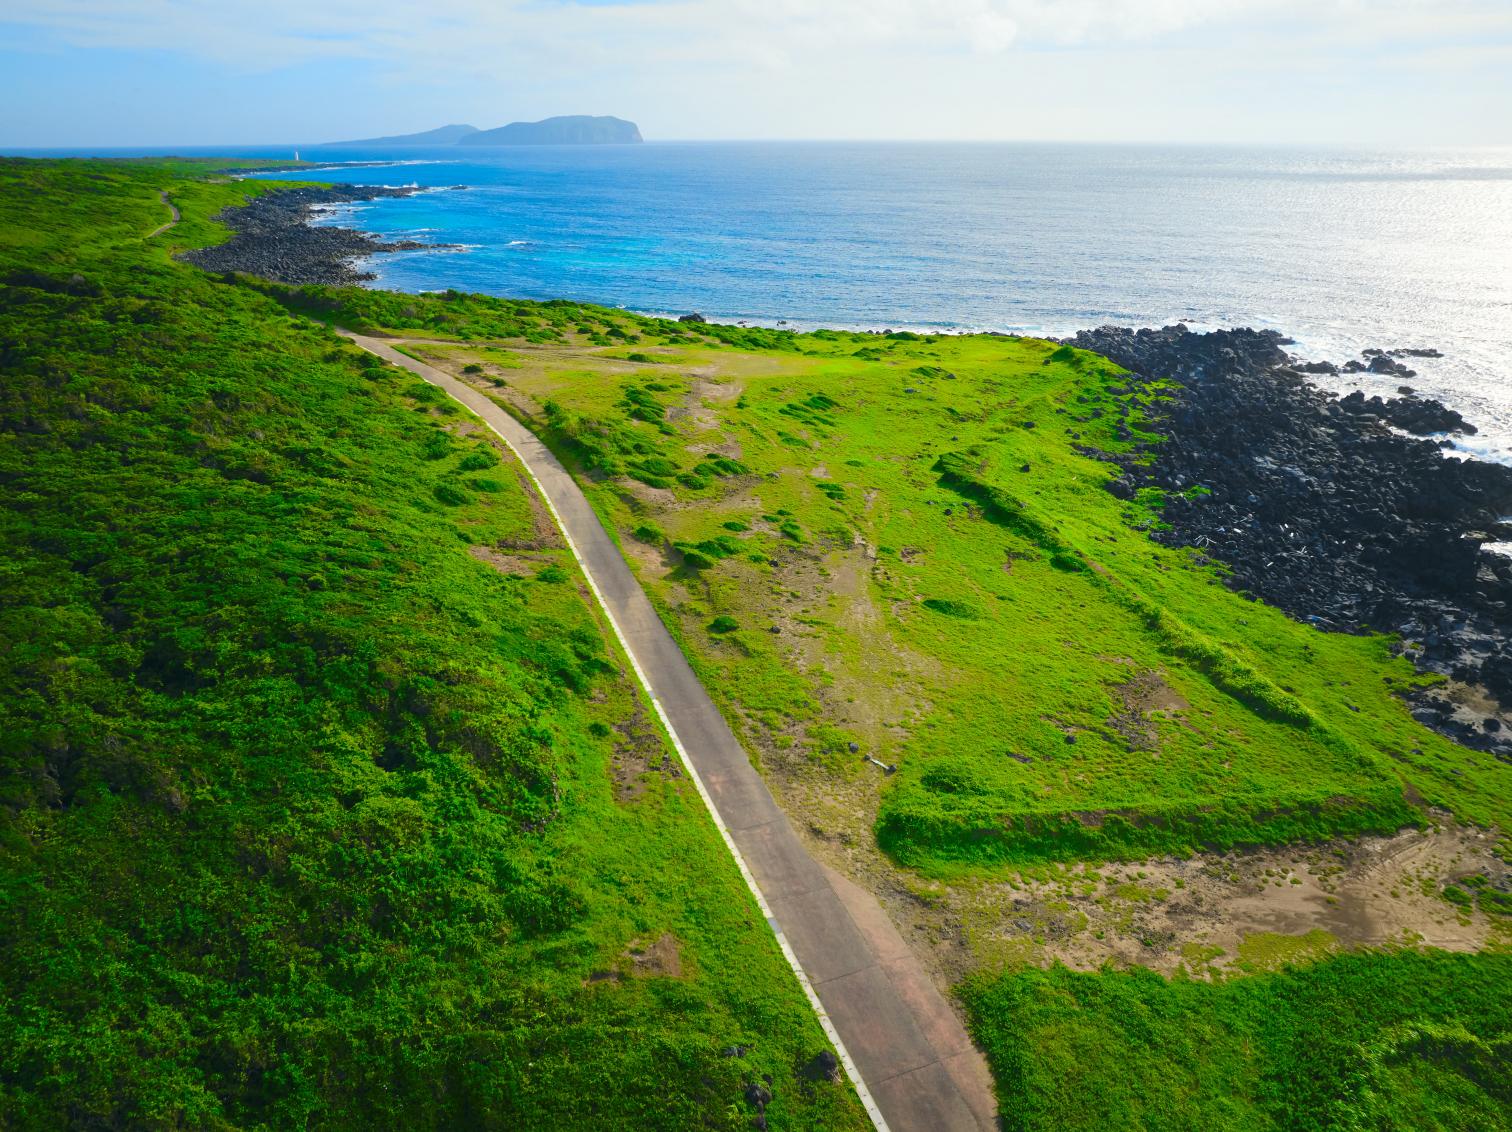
<point x="1340" y="250"/>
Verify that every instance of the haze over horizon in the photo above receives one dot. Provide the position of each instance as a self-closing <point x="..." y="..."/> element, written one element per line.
<point x="82" y="73"/>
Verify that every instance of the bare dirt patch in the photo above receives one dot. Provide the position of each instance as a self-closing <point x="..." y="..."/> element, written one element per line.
<point x="1209" y="915"/>
<point x="652" y="499"/>
<point x="544" y="534"/>
<point x="1207" y="912"/>
<point x="660" y="958"/>
<point x="1147" y="699"/>
<point x="638" y="752"/>
<point x="515" y="565"/>
<point x="695" y="406"/>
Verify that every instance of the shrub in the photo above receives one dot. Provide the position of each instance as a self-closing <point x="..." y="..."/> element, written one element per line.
<point x="723" y="624"/>
<point x="436" y="446"/>
<point x="478" y="459"/>
<point x="950" y="608"/>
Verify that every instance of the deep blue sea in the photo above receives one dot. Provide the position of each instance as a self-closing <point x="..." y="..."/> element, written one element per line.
<point x="1341" y="250"/>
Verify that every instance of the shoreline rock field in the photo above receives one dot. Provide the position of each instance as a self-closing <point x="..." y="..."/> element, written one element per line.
<point x="1323" y="509"/>
<point x="273" y="237"/>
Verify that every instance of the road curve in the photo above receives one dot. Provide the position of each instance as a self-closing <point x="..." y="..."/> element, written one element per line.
<point x="906" y="1051"/>
<point x="173" y="208"/>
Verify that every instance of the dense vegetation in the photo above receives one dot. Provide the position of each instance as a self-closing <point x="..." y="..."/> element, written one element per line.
<point x="1365" y="1041"/>
<point x="323" y="800"/>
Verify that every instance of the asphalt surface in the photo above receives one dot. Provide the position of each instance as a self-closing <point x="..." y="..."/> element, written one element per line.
<point x="907" y="1052"/>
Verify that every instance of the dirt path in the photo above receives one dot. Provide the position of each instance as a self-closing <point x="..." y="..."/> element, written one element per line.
<point x="905" y="1049"/>
<point x="173" y="208"/>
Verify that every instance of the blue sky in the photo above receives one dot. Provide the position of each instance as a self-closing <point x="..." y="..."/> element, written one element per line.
<point x="235" y="72"/>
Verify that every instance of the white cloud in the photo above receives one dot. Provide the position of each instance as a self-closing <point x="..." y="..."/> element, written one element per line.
<point x="845" y="68"/>
<point x="478" y="34"/>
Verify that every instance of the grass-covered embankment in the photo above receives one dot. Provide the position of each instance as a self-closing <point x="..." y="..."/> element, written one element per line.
<point x="308" y="814"/>
<point x="1368" y="1041"/>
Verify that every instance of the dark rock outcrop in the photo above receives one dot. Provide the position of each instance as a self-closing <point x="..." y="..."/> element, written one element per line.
<point x="1324" y="511"/>
<point x="274" y="239"/>
<point x="1417" y="415"/>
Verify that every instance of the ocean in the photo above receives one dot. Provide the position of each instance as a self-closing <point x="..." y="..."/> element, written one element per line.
<point x="1342" y="250"/>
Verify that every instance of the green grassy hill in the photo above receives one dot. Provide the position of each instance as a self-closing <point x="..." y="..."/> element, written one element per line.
<point x="900" y="548"/>
<point x="324" y="799"/>
<point x="1404" y="1041"/>
<point x="327" y="802"/>
<point x="902" y="544"/>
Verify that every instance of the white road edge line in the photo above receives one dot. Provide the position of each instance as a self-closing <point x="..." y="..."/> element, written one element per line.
<point x="879" y="1122"/>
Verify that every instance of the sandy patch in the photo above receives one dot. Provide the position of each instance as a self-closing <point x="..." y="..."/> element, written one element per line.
<point x="1208" y="912"/>
<point x="1147" y="700"/>
<point x="515" y="565"/>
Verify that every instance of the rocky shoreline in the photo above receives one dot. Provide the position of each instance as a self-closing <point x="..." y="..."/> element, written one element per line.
<point x="273" y="238"/>
<point x="1324" y="508"/>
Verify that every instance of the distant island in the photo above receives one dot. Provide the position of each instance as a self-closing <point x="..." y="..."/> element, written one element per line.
<point x="572" y="129"/>
<point x="441" y="135"/>
<point x="569" y="129"/>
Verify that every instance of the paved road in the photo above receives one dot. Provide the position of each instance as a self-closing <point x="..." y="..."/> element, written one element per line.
<point x="173" y="208"/>
<point x="905" y="1049"/>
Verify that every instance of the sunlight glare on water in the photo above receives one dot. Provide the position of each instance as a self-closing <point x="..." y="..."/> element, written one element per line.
<point x="1342" y="251"/>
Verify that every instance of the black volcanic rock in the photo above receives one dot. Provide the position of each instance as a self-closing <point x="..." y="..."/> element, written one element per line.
<point x="273" y="237"/>
<point x="1417" y="415"/>
<point x="1323" y="510"/>
<point x="573" y="129"/>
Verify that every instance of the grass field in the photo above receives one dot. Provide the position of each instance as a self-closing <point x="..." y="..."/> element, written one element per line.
<point x="1368" y="1041"/>
<point x="897" y="548"/>
<point x="326" y="800"/>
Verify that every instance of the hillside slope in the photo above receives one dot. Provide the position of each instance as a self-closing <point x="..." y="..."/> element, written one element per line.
<point x="1042" y="738"/>
<point x="327" y="803"/>
<point x="1057" y="686"/>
